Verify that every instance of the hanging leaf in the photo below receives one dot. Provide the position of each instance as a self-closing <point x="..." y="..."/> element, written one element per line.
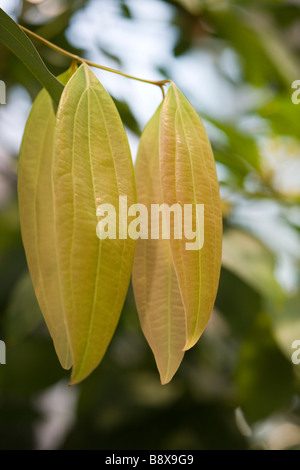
<point x="155" y="283"/>
<point x="175" y="284"/>
<point x="35" y="192"/>
<point x="188" y="176"/>
<point x="16" y="40"/>
<point x="92" y="166"/>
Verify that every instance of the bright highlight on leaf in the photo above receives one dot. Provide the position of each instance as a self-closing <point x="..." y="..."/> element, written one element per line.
<point x="185" y="174"/>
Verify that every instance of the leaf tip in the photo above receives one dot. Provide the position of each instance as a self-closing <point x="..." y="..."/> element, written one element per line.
<point x="75" y="380"/>
<point x="190" y="342"/>
<point x="165" y="380"/>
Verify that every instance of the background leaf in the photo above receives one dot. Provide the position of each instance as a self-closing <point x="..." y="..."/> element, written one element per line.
<point x="246" y="256"/>
<point x="17" y="41"/>
<point x="260" y="363"/>
<point x="23" y="314"/>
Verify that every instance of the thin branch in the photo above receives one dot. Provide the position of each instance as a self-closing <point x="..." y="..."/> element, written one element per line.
<point x="159" y="83"/>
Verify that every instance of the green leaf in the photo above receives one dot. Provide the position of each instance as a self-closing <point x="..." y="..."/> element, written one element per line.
<point x="240" y="152"/>
<point x="23" y="314"/>
<point x="35" y="192"/>
<point x="264" y="376"/>
<point x="127" y="116"/>
<point x="282" y="114"/>
<point x="248" y="258"/>
<point x="264" y="53"/>
<point x="16" y="40"/>
<point x="236" y="296"/>
<point x="286" y="322"/>
<point x="32" y="368"/>
<point x="92" y="166"/>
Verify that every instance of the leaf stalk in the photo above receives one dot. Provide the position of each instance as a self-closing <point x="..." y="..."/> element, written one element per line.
<point x="74" y="57"/>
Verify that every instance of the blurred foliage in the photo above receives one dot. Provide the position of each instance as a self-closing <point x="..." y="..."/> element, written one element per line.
<point x="238" y="388"/>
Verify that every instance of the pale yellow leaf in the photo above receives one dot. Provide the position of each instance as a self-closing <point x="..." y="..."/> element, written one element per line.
<point x="35" y="192"/>
<point x="155" y="283"/>
<point x="188" y="176"/>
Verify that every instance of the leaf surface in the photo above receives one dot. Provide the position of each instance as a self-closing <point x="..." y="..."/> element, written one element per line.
<point x="36" y="205"/>
<point x="93" y="166"/>
<point x="18" y="42"/>
<point x="188" y="176"/>
<point x="156" y="289"/>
